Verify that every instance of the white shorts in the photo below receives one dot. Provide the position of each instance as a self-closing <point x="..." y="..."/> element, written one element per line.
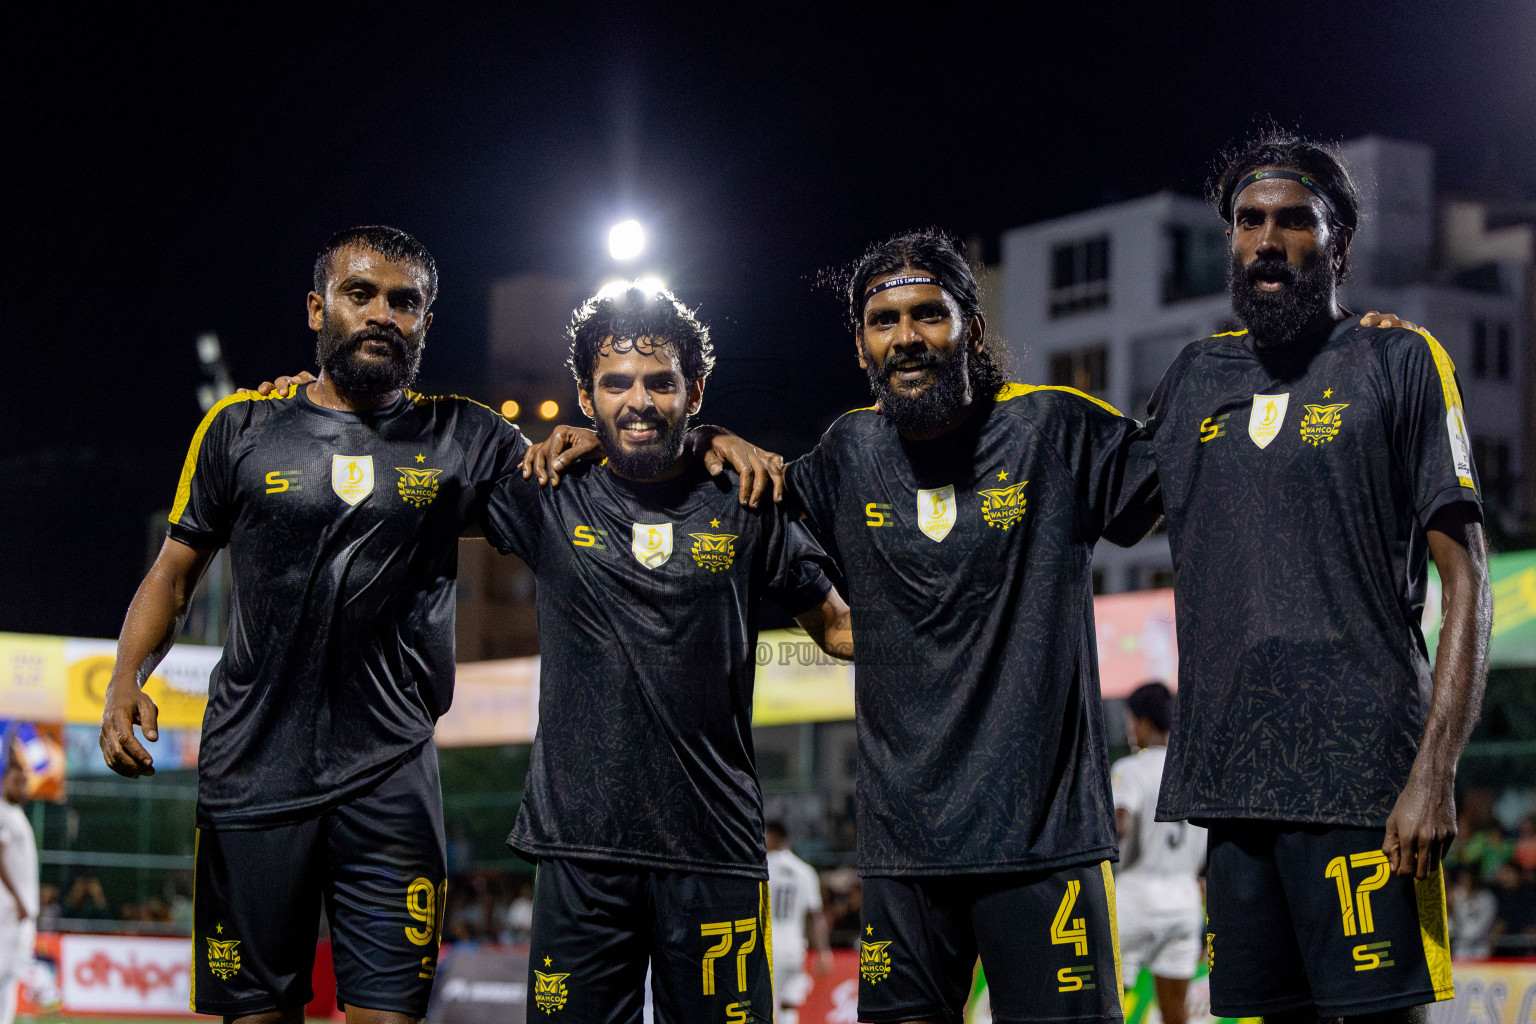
<point x="1161" y="935"/>
<point x="791" y="983"/>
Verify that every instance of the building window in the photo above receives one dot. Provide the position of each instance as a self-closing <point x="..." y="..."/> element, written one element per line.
<point x="1501" y="353"/>
<point x="1493" y="469"/>
<point x="1479" y="349"/>
<point x="1086" y="369"/>
<point x="1080" y="276"/>
<point x="1197" y="263"/>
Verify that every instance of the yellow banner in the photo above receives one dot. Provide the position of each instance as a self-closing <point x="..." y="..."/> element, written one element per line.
<point x="178" y="686"/>
<point x="798" y="682"/>
<point x="31" y="677"/>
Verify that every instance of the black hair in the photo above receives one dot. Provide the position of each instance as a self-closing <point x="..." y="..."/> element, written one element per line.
<point x="776" y="827"/>
<point x="627" y="317"/>
<point x="1273" y="146"/>
<point x="388" y="242"/>
<point x="938" y="253"/>
<point x="1152" y="702"/>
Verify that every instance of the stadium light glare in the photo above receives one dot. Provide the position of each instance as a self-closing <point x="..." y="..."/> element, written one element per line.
<point x="626" y="240"/>
<point x="613" y="289"/>
<point x="651" y="284"/>
<point x="549" y="409"/>
<point x="510" y="409"/>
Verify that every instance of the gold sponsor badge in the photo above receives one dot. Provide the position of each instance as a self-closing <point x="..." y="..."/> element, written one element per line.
<point x="714" y="551"/>
<point x="549" y="991"/>
<point x="417" y="486"/>
<point x="1003" y="506"/>
<point x="224" y="958"/>
<point x="652" y="545"/>
<point x="1321" y="423"/>
<point x="936" y="512"/>
<point x="1267" y="417"/>
<point x="352" y="477"/>
<point x="874" y="962"/>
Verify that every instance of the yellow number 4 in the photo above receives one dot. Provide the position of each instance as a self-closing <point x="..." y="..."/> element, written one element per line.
<point x="1077" y="934"/>
<point x="1356" y="911"/>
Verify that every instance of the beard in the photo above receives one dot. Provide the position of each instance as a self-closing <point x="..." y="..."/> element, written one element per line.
<point x="1276" y="318"/>
<point x="648" y="461"/>
<point x="342" y="360"/>
<point x="947" y="393"/>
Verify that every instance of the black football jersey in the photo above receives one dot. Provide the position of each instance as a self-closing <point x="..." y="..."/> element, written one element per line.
<point x="649" y="596"/>
<point x="1297" y="486"/>
<point x="967" y="564"/>
<point x="343" y="533"/>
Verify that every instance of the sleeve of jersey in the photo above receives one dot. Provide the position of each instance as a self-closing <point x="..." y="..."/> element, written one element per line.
<point x="1135" y="502"/>
<point x="812" y="480"/>
<point x="1122" y="497"/>
<point x="1431" y="426"/>
<point x="514" y="517"/>
<point x="797" y="566"/>
<point x="202" y="513"/>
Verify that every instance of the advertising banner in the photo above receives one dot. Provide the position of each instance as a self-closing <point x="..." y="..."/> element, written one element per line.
<point x="125" y="974"/>
<point x="486" y="985"/>
<point x="1137" y="642"/>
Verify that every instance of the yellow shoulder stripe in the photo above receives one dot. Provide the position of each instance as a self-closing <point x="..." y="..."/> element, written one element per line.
<point x="1448" y="386"/>
<point x="1231" y="334"/>
<point x="189" y="467"/>
<point x="1013" y="390"/>
<point x="862" y="408"/>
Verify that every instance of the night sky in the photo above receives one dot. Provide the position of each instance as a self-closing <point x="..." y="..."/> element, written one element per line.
<point x="174" y="172"/>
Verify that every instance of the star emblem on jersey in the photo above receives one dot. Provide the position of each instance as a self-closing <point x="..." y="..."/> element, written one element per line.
<point x="1321" y="423"/>
<point x="874" y="961"/>
<point x="1267" y="417"/>
<point x="352" y="477"/>
<point x="1003" y="506"/>
<point x="549" y="991"/>
<point x="714" y="551"/>
<point x="652" y="545"/>
<point x="417" y="486"/>
<point x="224" y="958"/>
<point x="936" y="512"/>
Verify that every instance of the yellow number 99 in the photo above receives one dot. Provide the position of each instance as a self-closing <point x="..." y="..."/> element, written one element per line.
<point x="422" y="903"/>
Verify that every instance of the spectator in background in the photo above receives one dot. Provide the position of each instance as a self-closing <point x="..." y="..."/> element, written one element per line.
<point x="519" y="916"/>
<point x="19" y="893"/>
<point x="795" y="893"/>
<point x="1524" y="853"/>
<point x="1481" y="843"/>
<point x="86" y="900"/>
<point x="49" y="909"/>
<point x="1517" y="908"/>
<point x="1474" y="910"/>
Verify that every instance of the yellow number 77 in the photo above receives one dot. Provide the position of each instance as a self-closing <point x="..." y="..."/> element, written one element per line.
<point x="726" y="930"/>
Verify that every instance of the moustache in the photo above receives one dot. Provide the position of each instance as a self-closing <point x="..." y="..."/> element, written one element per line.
<point x="389" y="336"/>
<point x="924" y="360"/>
<point x="1269" y="268"/>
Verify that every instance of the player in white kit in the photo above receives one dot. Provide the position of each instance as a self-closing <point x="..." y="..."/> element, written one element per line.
<point x="794" y="892"/>
<point x="18" y="884"/>
<point x="1161" y="908"/>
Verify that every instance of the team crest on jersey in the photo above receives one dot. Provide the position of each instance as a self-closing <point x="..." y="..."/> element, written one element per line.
<point x="549" y="991"/>
<point x="652" y="545"/>
<point x="224" y="958"/>
<point x="1321" y="423"/>
<point x="874" y="962"/>
<point x="352" y="477"/>
<point x="936" y="512"/>
<point x="417" y="486"/>
<point x="1267" y="418"/>
<point x="1003" y="506"/>
<point x="714" y="551"/>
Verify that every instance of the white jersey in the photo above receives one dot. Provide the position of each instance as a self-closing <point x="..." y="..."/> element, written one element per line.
<point x="1171" y="852"/>
<point x="794" y="891"/>
<point x="20" y="856"/>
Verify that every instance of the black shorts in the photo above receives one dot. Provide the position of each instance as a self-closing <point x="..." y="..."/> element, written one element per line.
<point x="1046" y="939"/>
<point x="1311" y="916"/>
<point x="377" y="861"/>
<point x="708" y="940"/>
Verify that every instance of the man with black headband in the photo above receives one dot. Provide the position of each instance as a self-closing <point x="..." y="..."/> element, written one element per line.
<point x="1307" y="467"/>
<point x="963" y="510"/>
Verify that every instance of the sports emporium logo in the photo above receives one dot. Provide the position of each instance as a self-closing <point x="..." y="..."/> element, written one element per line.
<point x="874" y="962"/>
<point x="224" y="958"/>
<point x="714" y="551"/>
<point x="1003" y="506"/>
<point x="549" y="991"/>
<point x="417" y="486"/>
<point x="1321" y="423"/>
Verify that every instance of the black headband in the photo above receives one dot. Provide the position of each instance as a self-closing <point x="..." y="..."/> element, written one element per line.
<point x="897" y="282"/>
<point x="1306" y="182"/>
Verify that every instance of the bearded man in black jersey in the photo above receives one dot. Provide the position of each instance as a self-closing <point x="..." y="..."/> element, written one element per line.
<point x="1307" y="466"/>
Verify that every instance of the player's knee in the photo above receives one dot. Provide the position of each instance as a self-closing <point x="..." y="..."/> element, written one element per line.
<point x="295" y="1015"/>
<point x="363" y="1015"/>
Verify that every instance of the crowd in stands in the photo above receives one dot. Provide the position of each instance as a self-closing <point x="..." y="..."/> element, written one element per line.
<point x="1491" y="875"/>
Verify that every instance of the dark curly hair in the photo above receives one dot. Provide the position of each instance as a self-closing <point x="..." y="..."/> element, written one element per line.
<point x="1273" y="146"/>
<point x="386" y="241"/>
<point x="939" y="254"/>
<point x="641" y="319"/>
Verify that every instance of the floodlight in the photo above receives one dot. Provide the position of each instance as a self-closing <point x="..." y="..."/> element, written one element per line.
<point x="626" y="240"/>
